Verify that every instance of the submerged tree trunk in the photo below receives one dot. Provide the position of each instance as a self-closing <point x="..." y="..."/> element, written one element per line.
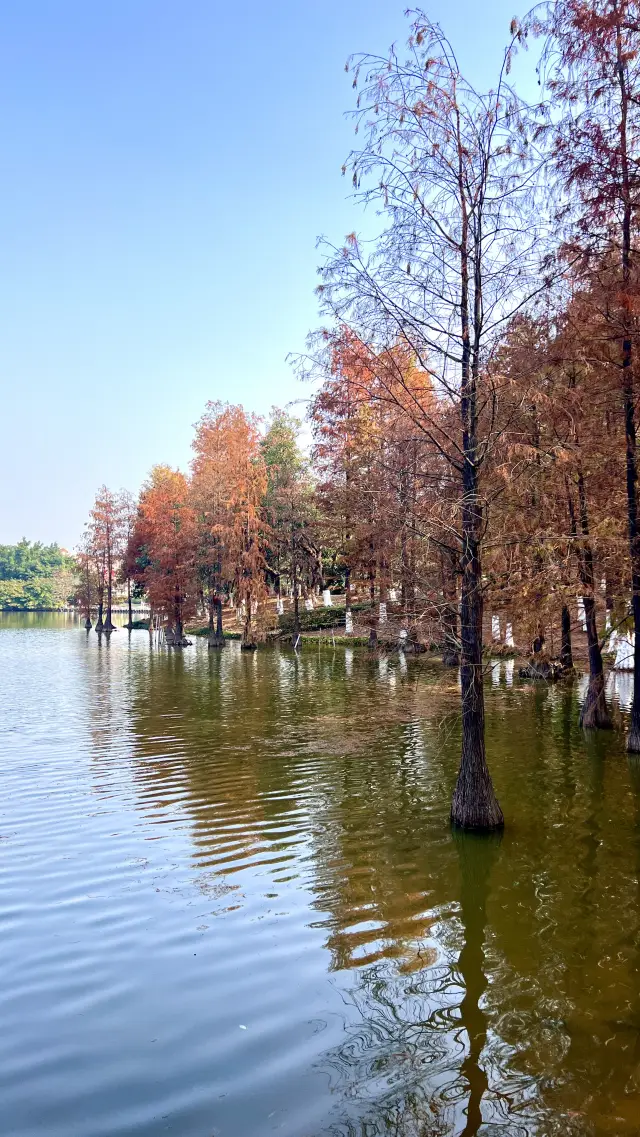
<point x="109" y="626"/>
<point x="101" y="583"/>
<point x="566" y="653"/>
<point x="130" y="624"/>
<point x="87" y="598"/>
<point x="216" y="634"/>
<point x="175" y="636"/>
<point x="474" y="804"/>
<point x="248" y="638"/>
<point x="594" y="714"/>
<point x="100" y="621"/>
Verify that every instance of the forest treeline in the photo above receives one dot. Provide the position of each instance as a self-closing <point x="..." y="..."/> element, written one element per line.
<point x="35" y="576"/>
<point x="474" y="412"/>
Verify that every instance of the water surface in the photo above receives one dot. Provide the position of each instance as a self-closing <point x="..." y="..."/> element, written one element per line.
<point x="231" y="904"/>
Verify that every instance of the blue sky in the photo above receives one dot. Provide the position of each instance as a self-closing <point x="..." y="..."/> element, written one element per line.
<point x="165" y="169"/>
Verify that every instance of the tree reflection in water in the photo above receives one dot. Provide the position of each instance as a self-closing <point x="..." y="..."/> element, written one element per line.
<point x="476" y="856"/>
<point x="489" y="988"/>
<point x="415" y="1042"/>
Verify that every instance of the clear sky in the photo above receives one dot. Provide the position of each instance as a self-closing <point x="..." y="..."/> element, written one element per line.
<point x="166" y="168"/>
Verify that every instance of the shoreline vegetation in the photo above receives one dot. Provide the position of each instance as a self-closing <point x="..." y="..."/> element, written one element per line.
<point x="326" y="626"/>
<point x="473" y="471"/>
<point x="36" y="577"/>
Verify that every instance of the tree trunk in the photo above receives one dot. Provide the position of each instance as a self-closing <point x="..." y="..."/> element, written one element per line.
<point x="216" y="634"/>
<point x="383" y="577"/>
<point x="108" y="624"/>
<point x="87" y="622"/>
<point x="372" y="575"/>
<point x="609" y="593"/>
<point x="100" y="621"/>
<point x="450" y="652"/>
<point x="319" y="572"/>
<point x="594" y="714"/>
<point x="404" y="567"/>
<point x="294" y="585"/>
<point x="566" y="654"/>
<point x="130" y="624"/>
<point x="248" y="638"/>
<point x="474" y="804"/>
<point x="178" y="638"/>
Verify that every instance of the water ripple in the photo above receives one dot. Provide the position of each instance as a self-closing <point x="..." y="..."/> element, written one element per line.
<point x="230" y="902"/>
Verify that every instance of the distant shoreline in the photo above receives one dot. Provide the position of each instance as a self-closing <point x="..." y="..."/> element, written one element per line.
<point x="14" y="608"/>
<point x="62" y="611"/>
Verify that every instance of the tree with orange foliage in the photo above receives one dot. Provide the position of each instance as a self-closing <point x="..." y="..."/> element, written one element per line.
<point x="381" y="461"/>
<point x="210" y="501"/>
<point x="229" y="484"/>
<point x="337" y="415"/>
<point x="551" y="534"/>
<point x="165" y="531"/>
<point x="591" y="72"/>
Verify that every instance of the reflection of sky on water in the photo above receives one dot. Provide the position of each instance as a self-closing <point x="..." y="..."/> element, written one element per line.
<point x="620" y="688"/>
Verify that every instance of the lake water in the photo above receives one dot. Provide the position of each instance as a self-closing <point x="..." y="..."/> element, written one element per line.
<point x="231" y="904"/>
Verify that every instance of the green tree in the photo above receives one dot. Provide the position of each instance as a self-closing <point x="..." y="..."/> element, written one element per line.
<point x="290" y="510"/>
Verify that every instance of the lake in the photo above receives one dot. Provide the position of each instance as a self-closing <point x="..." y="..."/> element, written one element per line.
<point x="231" y="903"/>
